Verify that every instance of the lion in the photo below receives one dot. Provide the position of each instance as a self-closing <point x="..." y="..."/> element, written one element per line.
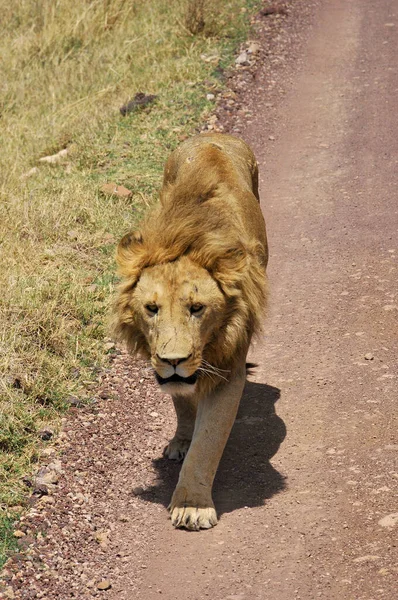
<point x="192" y="296"/>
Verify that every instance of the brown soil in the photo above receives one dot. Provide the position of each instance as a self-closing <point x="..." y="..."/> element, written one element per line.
<point x="307" y="487"/>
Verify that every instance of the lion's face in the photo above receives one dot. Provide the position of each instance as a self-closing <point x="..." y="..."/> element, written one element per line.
<point x="179" y="307"/>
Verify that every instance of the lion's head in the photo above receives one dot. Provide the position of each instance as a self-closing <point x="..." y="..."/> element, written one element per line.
<point x="192" y="295"/>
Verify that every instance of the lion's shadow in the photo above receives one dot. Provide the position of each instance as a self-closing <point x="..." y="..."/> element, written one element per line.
<point x="245" y="476"/>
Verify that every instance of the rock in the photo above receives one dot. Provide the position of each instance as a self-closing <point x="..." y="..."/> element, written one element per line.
<point x="9" y="593"/>
<point x="46" y="434"/>
<point x="369" y="356"/>
<point x="19" y="534"/>
<point x="56" y="466"/>
<point x="389" y="521"/>
<point x="367" y="558"/>
<point x="101" y="537"/>
<point x="242" y="59"/>
<point x="138" y="490"/>
<point x="253" y="48"/>
<point x="104" y="584"/>
<point x="40" y="490"/>
<point x="273" y="9"/>
<point x="390" y="307"/>
<point x="210" y="96"/>
<point x="25" y="541"/>
<point x="109" y="346"/>
<point x="73" y="401"/>
<point x="47" y="476"/>
<point x="29" y="173"/>
<point x="112" y="189"/>
<point x="140" y="101"/>
<point x="54" y="158"/>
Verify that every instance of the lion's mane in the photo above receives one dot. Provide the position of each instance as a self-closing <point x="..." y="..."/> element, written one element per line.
<point x="190" y="220"/>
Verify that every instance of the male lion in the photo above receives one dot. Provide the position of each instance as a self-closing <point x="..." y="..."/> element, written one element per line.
<point x="193" y="294"/>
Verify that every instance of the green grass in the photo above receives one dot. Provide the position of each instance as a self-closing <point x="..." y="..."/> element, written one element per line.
<point x="8" y="542"/>
<point x="65" y="69"/>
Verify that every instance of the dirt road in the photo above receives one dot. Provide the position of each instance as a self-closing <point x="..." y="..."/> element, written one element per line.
<point x="307" y="488"/>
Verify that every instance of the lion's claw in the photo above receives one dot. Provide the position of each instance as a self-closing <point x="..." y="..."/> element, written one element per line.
<point x="176" y="449"/>
<point x="193" y="518"/>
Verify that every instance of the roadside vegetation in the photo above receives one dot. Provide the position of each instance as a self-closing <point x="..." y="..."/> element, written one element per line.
<point x="66" y="68"/>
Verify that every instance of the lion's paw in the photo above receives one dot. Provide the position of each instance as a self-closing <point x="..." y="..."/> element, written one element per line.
<point x="177" y="449"/>
<point x="193" y="518"/>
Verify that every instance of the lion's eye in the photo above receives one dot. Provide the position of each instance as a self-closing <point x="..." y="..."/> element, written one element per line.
<point x="196" y="309"/>
<point x="152" y="309"/>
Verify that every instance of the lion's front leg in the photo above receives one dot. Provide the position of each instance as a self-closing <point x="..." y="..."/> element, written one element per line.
<point x="192" y="505"/>
<point x="185" y="407"/>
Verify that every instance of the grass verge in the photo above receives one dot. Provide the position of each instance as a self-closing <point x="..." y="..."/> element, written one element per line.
<point x="66" y="68"/>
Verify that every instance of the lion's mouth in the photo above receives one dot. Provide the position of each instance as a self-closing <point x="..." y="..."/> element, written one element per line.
<point x="191" y="380"/>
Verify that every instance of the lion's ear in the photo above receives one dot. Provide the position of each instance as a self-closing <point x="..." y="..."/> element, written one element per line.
<point x="129" y="255"/>
<point x="229" y="268"/>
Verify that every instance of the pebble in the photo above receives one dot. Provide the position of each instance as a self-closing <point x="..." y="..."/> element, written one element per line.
<point x="9" y="593"/>
<point x="109" y="346"/>
<point x="138" y="490"/>
<point x="112" y="189"/>
<point x="210" y="96"/>
<point x="367" y="558"/>
<point x="253" y="48"/>
<point x="242" y="59"/>
<point x="18" y="533"/>
<point x="54" y="158"/>
<point x="369" y="356"/>
<point x="105" y="584"/>
<point x="389" y="521"/>
<point x="46" y="434"/>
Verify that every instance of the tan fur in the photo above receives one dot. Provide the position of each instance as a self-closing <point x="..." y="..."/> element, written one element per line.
<point x="204" y="245"/>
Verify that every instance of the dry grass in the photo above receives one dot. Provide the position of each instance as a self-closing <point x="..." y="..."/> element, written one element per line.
<point x="65" y="69"/>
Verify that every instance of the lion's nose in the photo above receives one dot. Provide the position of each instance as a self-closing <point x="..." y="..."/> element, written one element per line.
<point x="173" y="361"/>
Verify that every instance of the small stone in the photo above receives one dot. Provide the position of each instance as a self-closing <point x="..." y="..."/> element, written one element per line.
<point x="367" y="558"/>
<point x="103" y="585"/>
<point x="242" y="59"/>
<point x="112" y="189"/>
<point x="101" y="537"/>
<point x="46" y="434"/>
<point x="140" y="101"/>
<point x="389" y="521"/>
<point x="25" y="542"/>
<point x="47" y="476"/>
<point x="210" y="96"/>
<point x="138" y="490"/>
<point x="9" y="593"/>
<point x="123" y="518"/>
<point x="369" y="356"/>
<point x="253" y="48"/>
<point x="73" y="401"/>
<point x="18" y="533"/>
<point x="29" y="173"/>
<point x="54" y="158"/>
<point x="40" y="490"/>
<point x="390" y="307"/>
<point x="271" y="138"/>
<point x="109" y="346"/>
